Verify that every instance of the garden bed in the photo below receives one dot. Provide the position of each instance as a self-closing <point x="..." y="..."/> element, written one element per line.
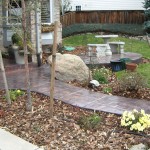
<point x="64" y="131"/>
<point x="142" y="93"/>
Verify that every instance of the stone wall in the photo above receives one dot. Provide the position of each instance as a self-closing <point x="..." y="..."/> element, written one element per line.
<point x="1" y="29"/>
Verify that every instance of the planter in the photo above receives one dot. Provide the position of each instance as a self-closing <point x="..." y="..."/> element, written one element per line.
<point x="131" y="66"/>
<point x="19" y="55"/>
<point x="117" y="65"/>
<point x="47" y="28"/>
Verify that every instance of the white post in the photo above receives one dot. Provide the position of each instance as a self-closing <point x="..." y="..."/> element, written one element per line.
<point x="38" y="42"/>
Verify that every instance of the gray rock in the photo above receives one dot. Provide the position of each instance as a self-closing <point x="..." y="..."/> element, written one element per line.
<point x="70" y="67"/>
<point x="138" y="147"/>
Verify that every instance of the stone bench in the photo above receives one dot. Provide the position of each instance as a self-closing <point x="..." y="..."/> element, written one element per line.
<point x="117" y="47"/>
<point x="99" y="50"/>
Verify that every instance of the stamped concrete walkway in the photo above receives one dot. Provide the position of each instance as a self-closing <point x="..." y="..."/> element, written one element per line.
<point x="40" y="82"/>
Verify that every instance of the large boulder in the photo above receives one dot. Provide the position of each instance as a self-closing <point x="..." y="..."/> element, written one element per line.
<point x="70" y="67"/>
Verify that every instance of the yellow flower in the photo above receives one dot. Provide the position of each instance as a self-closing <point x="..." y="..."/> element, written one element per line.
<point x="18" y="91"/>
<point x="135" y="120"/>
<point x="134" y="110"/>
<point x="125" y="113"/>
<point x="142" y="112"/>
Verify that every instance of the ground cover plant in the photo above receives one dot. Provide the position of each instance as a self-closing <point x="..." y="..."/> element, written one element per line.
<point x="67" y="130"/>
<point x="143" y="69"/>
<point x="14" y="94"/>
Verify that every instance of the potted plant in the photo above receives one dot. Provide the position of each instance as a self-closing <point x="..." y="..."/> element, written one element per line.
<point x="17" y="47"/>
<point x="131" y="66"/>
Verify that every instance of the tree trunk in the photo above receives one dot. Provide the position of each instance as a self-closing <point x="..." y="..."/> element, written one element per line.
<point x="52" y="84"/>
<point x="24" y="27"/>
<point x="4" y="78"/>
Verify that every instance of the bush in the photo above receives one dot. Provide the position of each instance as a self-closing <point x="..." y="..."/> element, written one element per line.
<point x="132" y="81"/>
<point x="147" y="26"/>
<point x="147" y="16"/>
<point x="89" y="122"/>
<point x="16" y="39"/>
<point x="107" y="90"/>
<point x="15" y="93"/>
<point x="133" y="29"/>
<point x="135" y="120"/>
<point x="101" y="75"/>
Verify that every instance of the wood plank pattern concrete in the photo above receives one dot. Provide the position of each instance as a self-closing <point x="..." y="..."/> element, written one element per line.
<point x="77" y="96"/>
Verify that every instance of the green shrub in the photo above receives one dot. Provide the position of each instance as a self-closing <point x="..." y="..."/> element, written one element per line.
<point x="132" y="81"/>
<point x="16" y="39"/>
<point x="147" y="16"/>
<point x="15" y="93"/>
<point x="133" y="29"/>
<point x="101" y="75"/>
<point x="90" y="122"/>
<point x="107" y="90"/>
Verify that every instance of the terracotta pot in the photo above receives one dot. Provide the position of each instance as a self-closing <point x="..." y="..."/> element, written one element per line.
<point x="131" y="66"/>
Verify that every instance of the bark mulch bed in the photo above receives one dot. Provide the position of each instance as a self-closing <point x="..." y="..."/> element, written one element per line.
<point x="63" y="131"/>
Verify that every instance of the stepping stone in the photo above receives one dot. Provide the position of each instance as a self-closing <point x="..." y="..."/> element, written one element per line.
<point x="9" y="141"/>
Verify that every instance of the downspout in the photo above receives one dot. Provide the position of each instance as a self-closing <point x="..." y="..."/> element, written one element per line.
<point x="51" y="11"/>
<point x="37" y="28"/>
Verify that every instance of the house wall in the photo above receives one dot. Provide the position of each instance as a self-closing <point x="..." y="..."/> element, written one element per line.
<point x="1" y="30"/>
<point x="107" y="4"/>
<point x="47" y="38"/>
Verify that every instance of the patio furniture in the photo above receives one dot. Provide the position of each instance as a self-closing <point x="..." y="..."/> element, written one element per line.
<point x="99" y="50"/>
<point x="106" y="37"/>
<point x="117" y="47"/>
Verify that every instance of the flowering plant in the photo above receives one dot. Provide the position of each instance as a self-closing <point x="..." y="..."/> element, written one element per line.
<point x="15" y="93"/>
<point x="135" y="120"/>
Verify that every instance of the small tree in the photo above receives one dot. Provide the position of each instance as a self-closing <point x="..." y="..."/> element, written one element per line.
<point x="147" y="16"/>
<point x="22" y="30"/>
<point x="65" y="6"/>
<point x="5" y="79"/>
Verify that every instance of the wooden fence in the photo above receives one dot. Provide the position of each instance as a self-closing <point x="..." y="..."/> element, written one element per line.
<point x="122" y="17"/>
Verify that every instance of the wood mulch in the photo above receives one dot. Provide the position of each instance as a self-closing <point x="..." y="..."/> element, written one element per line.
<point x="63" y="131"/>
